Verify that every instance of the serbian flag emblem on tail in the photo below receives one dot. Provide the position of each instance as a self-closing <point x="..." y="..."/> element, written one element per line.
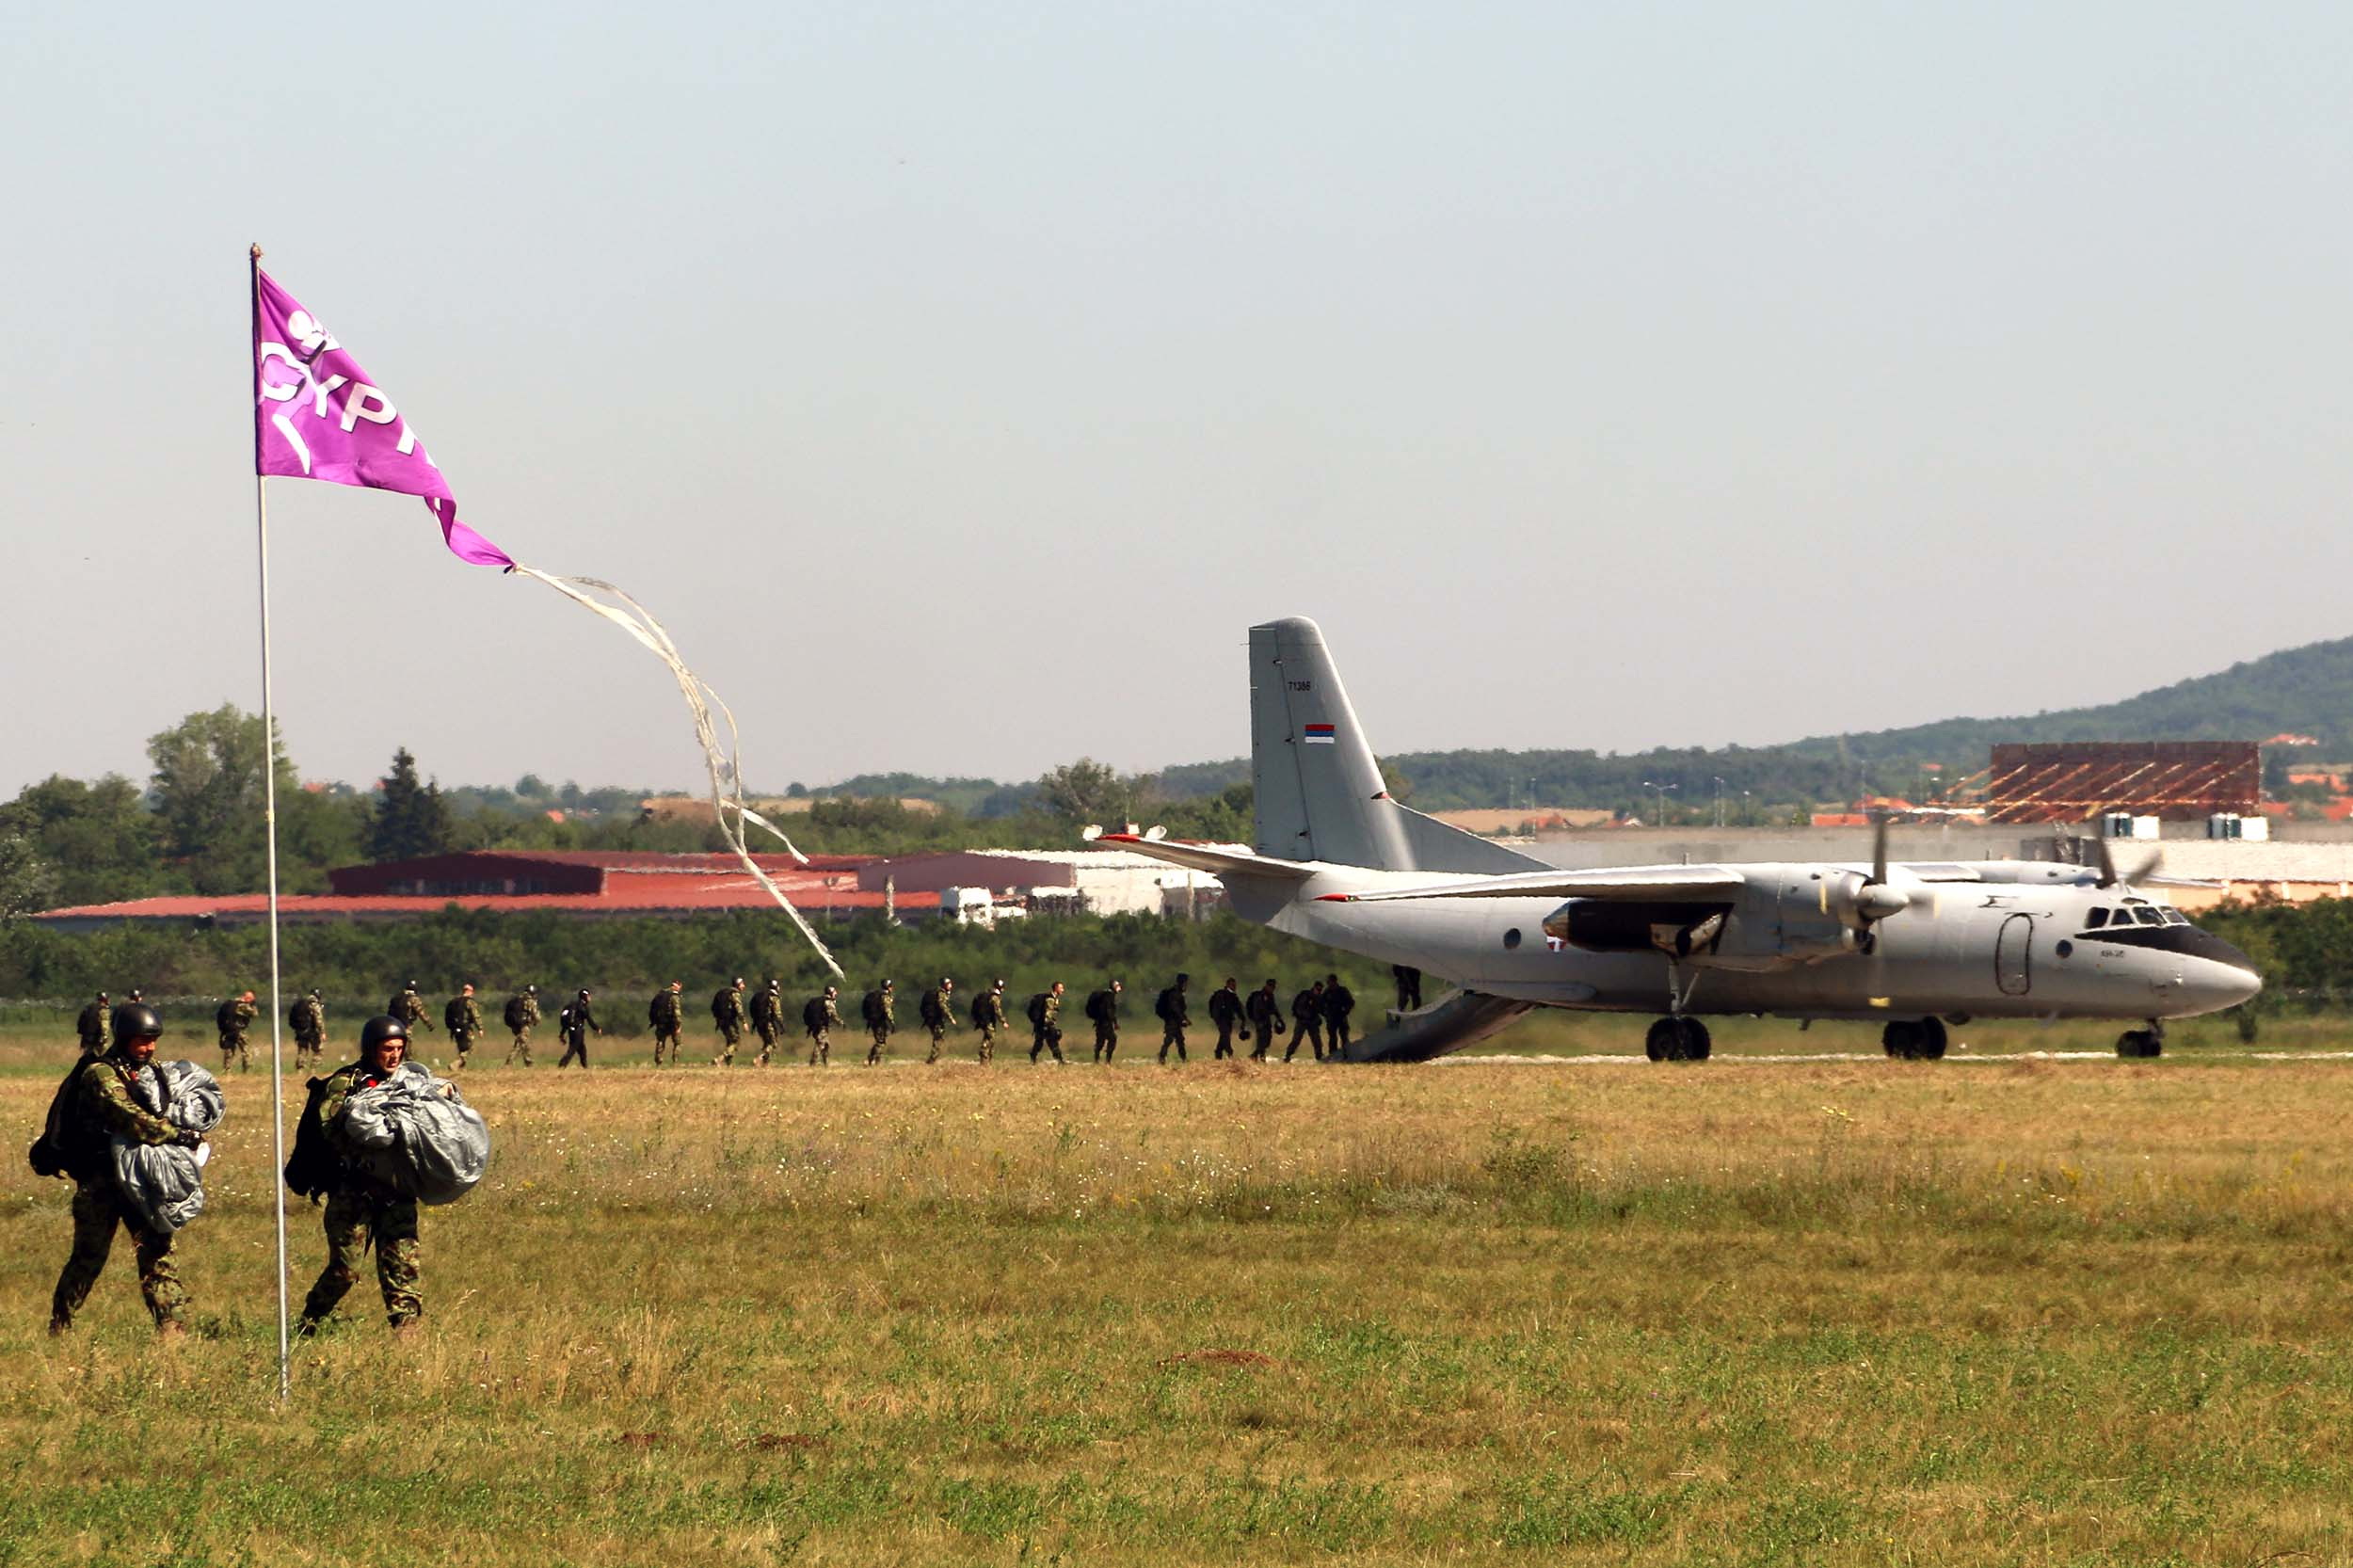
<point x="1318" y="734"/>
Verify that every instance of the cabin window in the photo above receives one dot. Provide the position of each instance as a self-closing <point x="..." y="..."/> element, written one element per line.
<point x="1512" y="937"/>
<point x="2094" y="920"/>
<point x="2146" y="916"/>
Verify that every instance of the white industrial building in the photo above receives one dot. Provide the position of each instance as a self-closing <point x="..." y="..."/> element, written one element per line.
<point x="1077" y="881"/>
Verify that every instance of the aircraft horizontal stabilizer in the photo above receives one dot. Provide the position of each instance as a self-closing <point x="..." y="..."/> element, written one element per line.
<point x="1208" y="858"/>
<point x="1641" y="883"/>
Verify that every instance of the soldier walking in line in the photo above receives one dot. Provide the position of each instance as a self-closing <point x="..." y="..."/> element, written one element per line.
<point x="1408" y="986"/>
<point x="574" y="1024"/>
<point x="462" y="1018"/>
<point x="409" y="1008"/>
<point x="362" y="1211"/>
<point x="95" y="1103"/>
<point x="1045" y="1011"/>
<point x="1226" y="1011"/>
<point x="881" y="1020"/>
<point x="767" y="1017"/>
<point x="669" y="1021"/>
<point x="234" y="1018"/>
<point x="522" y="1017"/>
<point x="939" y="1010"/>
<point x="1339" y="1003"/>
<point x="726" y="1011"/>
<point x="820" y="1017"/>
<point x="1307" y="1021"/>
<point x="1170" y="1008"/>
<point x="989" y="1017"/>
<point x="308" y="1018"/>
<point x="1266" y="1020"/>
<point x="1102" y="1010"/>
<point x="94" y="1026"/>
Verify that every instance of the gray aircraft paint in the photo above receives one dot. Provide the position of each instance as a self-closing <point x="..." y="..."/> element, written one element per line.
<point x="1979" y="940"/>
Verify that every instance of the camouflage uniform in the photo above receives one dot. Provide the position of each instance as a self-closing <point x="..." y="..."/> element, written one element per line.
<point x="95" y="1026"/>
<point x="307" y="1020"/>
<point x="1266" y="1020"/>
<point x="939" y="1008"/>
<point x="1307" y="1021"/>
<point x="726" y="1011"/>
<point x="361" y="1211"/>
<point x="1173" y="1016"/>
<point x="669" y="1021"/>
<point x="462" y="1018"/>
<point x="881" y="1020"/>
<point x="576" y="1021"/>
<point x="103" y="1103"/>
<point x="767" y="1017"/>
<point x="522" y="1017"/>
<point x="1102" y="1010"/>
<point x="234" y="1017"/>
<point x="1045" y="1022"/>
<point x="989" y="1017"/>
<point x="409" y="1008"/>
<point x="820" y="1017"/>
<point x="1339" y="1003"/>
<point x="1225" y="1011"/>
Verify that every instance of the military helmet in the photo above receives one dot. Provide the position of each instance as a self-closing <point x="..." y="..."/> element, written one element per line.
<point x="136" y="1020"/>
<point x="531" y="990"/>
<point x="584" y="993"/>
<point x="102" y="996"/>
<point x="410" y="986"/>
<point x="381" y="1028"/>
<point x="775" y="985"/>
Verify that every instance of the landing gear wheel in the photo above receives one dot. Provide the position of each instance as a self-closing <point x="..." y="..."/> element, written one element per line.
<point x="2140" y="1042"/>
<point x="1676" y="1040"/>
<point x="1696" y="1045"/>
<point x="1933" y="1039"/>
<point x="1902" y="1040"/>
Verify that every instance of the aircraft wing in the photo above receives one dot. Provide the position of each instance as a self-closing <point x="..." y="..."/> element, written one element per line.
<point x="1209" y="857"/>
<point x="1635" y="884"/>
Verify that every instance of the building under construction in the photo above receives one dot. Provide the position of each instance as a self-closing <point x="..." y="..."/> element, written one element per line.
<point x="2079" y="780"/>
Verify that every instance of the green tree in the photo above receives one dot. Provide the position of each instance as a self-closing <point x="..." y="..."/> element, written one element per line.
<point x="208" y="796"/>
<point x="28" y="884"/>
<point x="411" y="821"/>
<point x="1087" y="790"/>
<point x="99" y="837"/>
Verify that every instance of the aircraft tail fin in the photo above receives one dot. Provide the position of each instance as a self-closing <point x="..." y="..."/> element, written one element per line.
<point x="1318" y="785"/>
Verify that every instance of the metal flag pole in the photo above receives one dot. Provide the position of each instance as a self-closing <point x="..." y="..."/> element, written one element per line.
<point x="269" y="819"/>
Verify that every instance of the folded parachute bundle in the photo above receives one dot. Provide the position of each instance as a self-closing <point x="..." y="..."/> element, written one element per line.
<point x="417" y="1135"/>
<point x="163" y="1183"/>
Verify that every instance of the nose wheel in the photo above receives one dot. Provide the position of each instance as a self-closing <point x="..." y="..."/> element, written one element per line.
<point x="1677" y="1039"/>
<point x="2142" y="1043"/>
<point x="1915" y="1039"/>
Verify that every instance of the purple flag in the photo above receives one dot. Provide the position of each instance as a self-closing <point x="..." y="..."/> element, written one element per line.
<point x="317" y="415"/>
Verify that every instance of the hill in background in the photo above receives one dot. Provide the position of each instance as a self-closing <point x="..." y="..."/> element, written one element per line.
<point x="2304" y="691"/>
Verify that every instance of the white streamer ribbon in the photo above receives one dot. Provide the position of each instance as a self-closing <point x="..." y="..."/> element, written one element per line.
<point x="726" y="764"/>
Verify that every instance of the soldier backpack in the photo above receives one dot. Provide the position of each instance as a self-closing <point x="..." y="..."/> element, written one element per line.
<point x="454" y="1015"/>
<point x="514" y="1013"/>
<point x="64" y="1141"/>
<point x="813" y="1014"/>
<point x="226" y="1019"/>
<point x="1038" y="1011"/>
<point x="1165" y="1007"/>
<point x="314" y="1167"/>
<point x="719" y="1004"/>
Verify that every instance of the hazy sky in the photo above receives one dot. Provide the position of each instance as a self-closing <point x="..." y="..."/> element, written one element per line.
<point x="958" y="382"/>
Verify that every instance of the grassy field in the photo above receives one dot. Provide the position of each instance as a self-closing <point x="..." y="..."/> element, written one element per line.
<point x="1753" y="1311"/>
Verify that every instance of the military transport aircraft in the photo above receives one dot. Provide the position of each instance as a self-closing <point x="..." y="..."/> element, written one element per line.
<point x="1913" y="946"/>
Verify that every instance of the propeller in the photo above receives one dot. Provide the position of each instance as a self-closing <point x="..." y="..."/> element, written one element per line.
<point x="1874" y="898"/>
<point x="2111" y="877"/>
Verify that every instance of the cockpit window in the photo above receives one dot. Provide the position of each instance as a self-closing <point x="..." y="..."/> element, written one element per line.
<point x="2097" y="918"/>
<point x="2146" y="916"/>
<point x="2175" y="917"/>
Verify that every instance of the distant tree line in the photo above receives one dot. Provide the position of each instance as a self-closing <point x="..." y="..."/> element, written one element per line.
<point x="624" y="961"/>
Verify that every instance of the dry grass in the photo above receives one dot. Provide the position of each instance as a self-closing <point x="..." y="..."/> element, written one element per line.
<point x="1751" y="1312"/>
